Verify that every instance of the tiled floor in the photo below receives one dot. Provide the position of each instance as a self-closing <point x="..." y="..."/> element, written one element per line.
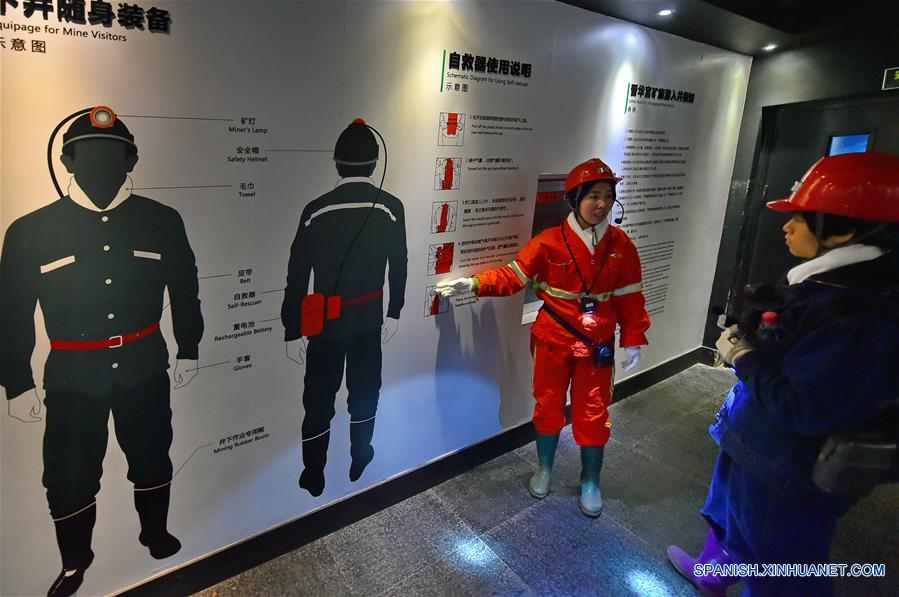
<point x="482" y="534"/>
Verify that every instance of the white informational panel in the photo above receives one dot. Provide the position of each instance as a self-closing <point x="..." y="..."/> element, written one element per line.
<point x="235" y="109"/>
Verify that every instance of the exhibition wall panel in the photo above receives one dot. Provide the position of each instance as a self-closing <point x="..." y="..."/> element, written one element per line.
<point x="234" y="221"/>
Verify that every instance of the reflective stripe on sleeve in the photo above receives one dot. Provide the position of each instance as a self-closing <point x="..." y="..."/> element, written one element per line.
<point x="628" y="289"/>
<point x="518" y="271"/>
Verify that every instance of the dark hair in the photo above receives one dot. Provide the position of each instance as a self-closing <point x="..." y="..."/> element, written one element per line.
<point x="346" y="170"/>
<point x="884" y="235"/>
<point x="69" y="149"/>
<point x="576" y="194"/>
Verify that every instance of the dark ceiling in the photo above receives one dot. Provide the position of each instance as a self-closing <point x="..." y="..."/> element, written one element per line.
<point x="746" y="26"/>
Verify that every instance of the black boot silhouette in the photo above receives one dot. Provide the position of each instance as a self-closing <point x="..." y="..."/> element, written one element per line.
<point x="360" y="447"/>
<point x="315" y="454"/>
<point x="73" y="536"/>
<point x="152" y="507"/>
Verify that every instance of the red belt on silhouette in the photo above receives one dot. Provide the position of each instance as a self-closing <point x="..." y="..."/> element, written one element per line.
<point x="364" y="299"/>
<point x="317" y="307"/>
<point x="111" y="342"/>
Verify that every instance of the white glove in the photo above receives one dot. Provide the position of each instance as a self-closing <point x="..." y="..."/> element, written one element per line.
<point x="390" y="327"/>
<point x="296" y="350"/>
<point x="633" y="357"/>
<point x="185" y="371"/>
<point x="449" y="288"/>
<point x="732" y="345"/>
<point x="25" y="407"/>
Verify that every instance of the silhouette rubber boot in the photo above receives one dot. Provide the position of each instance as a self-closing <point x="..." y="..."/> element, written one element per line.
<point x="360" y="446"/>
<point x="315" y="454"/>
<point x="538" y="486"/>
<point x="73" y="536"/>
<point x="712" y="553"/>
<point x="152" y="507"/>
<point x="591" y="498"/>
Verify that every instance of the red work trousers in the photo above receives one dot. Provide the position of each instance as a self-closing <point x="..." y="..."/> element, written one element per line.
<point x="591" y="394"/>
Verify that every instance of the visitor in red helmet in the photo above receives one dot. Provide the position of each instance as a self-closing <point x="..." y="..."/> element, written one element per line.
<point x="832" y="368"/>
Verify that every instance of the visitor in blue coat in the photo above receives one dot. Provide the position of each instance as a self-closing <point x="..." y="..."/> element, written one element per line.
<point x="832" y="366"/>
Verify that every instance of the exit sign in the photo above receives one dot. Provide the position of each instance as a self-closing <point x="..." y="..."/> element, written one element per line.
<point x="891" y="78"/>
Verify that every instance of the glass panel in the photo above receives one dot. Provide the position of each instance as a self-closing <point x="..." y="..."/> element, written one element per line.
<point x="848" y="144"/>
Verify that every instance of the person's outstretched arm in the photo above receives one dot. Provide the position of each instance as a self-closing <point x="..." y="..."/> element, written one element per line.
<point x="501" y="281"/>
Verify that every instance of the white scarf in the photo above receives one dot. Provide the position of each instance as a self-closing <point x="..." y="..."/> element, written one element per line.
<point x="586" y="235"/>
<point x="351" y="179"/>
<point x="77" y="194"/>
<point x="846" y="255"/>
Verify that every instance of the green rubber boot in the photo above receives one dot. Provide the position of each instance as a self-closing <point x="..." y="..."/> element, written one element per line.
<point x="591" y="498"/>
<point x="538" y="486"/>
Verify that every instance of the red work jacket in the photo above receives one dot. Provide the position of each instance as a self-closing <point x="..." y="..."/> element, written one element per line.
<point x="612" y="273"/>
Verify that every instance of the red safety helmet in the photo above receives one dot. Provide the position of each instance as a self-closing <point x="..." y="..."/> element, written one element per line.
<point x="593" y="170"/>
<point x="864" y="186"/>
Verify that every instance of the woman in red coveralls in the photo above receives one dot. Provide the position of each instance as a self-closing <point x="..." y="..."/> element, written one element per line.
<point x="588" y="275"/>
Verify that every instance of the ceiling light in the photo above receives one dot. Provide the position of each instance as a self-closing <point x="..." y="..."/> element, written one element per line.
<point x="770" y="47"/>
<point x="665" y="13"/>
